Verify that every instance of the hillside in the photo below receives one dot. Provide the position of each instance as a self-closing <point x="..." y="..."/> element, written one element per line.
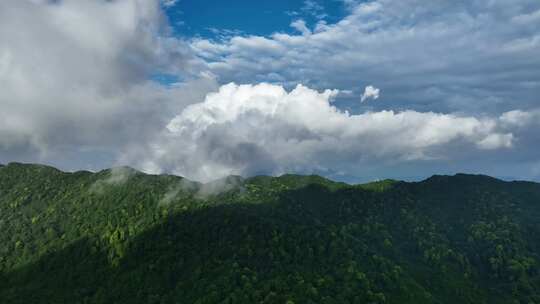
<point x="121" y="236"/>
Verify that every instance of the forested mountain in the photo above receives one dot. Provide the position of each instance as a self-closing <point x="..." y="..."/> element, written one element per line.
<point x="121" y="236"/>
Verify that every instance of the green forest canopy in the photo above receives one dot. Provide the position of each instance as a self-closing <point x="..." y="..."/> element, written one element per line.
<point x="121" y="236"/>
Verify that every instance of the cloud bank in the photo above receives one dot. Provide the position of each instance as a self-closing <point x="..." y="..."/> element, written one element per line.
<point x="254" y="129"/>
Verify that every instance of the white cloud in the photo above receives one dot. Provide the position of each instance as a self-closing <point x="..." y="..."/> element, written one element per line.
<point x="300" y="25"/>
<point x="520" y="118"/>
<point x="496" y="141"/>
<point x="250" y="129"/>
<point x="370" y="92"/>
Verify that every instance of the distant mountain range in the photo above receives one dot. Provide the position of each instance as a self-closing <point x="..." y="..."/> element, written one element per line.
<point x="122" y="236"/>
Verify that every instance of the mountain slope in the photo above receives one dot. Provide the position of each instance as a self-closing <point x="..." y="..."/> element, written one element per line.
<point x="121" y="236"/>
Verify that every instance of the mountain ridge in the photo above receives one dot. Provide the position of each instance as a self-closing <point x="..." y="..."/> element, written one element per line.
<point x="434" y="177"/>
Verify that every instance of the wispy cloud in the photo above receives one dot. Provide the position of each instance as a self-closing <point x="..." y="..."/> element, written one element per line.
<point x="314" y="8"/>
<point x="117" y="176"/>
<point x="300" y="25"/>
<point x="170" y="3"/>
<point x="225" y="34"/>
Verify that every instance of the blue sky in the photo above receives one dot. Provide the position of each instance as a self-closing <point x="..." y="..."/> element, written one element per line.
<point x="203" y="18"/>
<point x="352" y="90"/>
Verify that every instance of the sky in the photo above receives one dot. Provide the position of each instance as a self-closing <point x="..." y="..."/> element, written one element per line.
<point x="351" y="90"/>
<point x="222" y="19"/>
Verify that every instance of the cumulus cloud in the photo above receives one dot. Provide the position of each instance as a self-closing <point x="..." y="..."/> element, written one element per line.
<point x="370" y="92"/>
<point x="252" y="129"/>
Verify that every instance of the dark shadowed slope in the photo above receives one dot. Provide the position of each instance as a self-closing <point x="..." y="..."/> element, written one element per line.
<point x="121" y="236"/>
